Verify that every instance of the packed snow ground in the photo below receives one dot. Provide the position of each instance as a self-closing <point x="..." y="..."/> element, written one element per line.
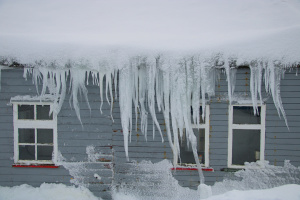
<point x="62" y="192"/>
<point x="46" y="192"/>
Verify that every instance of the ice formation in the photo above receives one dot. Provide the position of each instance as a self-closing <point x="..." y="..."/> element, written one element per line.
<point x="158" y="182"/>
<point x="252" y="179"/>
<point x="170" y="86"/>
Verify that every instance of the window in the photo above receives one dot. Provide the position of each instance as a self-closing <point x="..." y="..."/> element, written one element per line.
<point x="246" y="135"/>
<point x="201" y="131"/>
<point x="35" y="133"/>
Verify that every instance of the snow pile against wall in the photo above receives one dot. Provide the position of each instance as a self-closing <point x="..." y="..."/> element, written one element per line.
<point x="255" y="178"/>
<point x="46" y="191"/>
<point x="290" y="192"/>
<point x="159" y="85"/>
<point x="155" y="181"/>
<point x="86" y="173"/>
<point x="151" y="181"/>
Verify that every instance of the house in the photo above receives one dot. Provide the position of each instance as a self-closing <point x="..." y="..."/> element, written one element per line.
<point x="91" y="115"/>
<point x="229" y="135"/>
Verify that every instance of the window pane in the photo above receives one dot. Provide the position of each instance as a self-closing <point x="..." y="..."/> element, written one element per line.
<point x="245" y="146"/>
<point x="26" y="135"/>
<point x="44" y="152"/>
<point x="25" y="112"/>
<point x="26" y="152"/>
<point x="44" y="136"/>
<point x="245" y="115"/>
<point x="202" y="121"/>
<point x="186" y="152"/>
<point x="42" y="112"/>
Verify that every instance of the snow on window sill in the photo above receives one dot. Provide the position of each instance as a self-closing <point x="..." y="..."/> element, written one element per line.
<point x="36" y="166"/>
<point x="207" y="169"/>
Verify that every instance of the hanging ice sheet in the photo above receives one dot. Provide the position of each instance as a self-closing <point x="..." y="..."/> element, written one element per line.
<point x="149" y="86"/>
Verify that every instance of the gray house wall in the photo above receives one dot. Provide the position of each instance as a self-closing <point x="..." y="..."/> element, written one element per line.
<point x="105" y="136"/>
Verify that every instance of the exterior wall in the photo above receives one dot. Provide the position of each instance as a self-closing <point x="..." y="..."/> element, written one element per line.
<point x="281" y="143"/>
<point x="13" y="84"/>
<point x="105" y="135"/>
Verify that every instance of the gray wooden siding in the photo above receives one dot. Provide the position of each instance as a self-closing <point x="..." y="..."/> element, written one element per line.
<point x="107" y="138"/>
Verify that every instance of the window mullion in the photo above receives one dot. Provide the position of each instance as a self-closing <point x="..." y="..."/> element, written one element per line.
<point x="35" y="142"/>
<point x="230" y="140"/>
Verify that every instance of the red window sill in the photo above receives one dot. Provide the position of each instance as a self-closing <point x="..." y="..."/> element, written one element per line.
<point x="192" y="169"/>
<point x="36" y="166"/>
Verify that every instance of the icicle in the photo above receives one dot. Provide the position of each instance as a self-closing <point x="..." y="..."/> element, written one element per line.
<point x="101" y="90"/>
<point x="78" y="85"/>
<point x="272" y="82"/>
<point x="135" y="96"/>
<point x="63" y="78"/>
<point x="231" y="77"/>
<point x="116" y="82"/>
<point x="203" y="86"/>
<point x="259" y="81"/>
<point x="166" y="108"/>
<point x="151" y="97"/>
<point x="254" y="85"/>
<point x="109" y="88"/>
<point x="159" y="84"/>
<point x="142" y="74"/>
<point x="95" y="78"/>
<point x="196" y="92"/>
<point x="125" y="93"/>
<point x="26" y="72"/>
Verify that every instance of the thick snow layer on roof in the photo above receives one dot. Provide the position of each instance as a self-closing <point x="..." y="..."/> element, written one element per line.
<point x="65" y="29"/>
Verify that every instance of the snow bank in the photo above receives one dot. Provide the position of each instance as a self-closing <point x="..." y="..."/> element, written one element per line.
<point x="46" y="192"/>
<point x="62" y="192"/>
<point x="290" y="192"/>
<point x="156" y="182"/>
<point x="256" y="177"/>
<point x="147" y="181"/>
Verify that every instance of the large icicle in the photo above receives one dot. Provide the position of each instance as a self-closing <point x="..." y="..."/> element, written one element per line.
<point x="273" y="73"/>
<point x="255" y="84"/>
<point x="78" y="86"/>
<point x="125" y="94"/>
<point x="151" y="68"/>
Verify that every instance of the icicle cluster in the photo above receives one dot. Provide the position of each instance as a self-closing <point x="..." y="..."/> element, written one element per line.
<point x="158" y="85"/>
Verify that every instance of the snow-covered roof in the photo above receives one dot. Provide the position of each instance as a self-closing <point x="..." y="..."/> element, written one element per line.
<point x="88" y="29"/>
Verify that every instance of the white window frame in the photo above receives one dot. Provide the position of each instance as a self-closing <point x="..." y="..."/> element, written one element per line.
<point x="260" y="127"/>
<point x="204" y="126"/>
<point x="34" y="124"/>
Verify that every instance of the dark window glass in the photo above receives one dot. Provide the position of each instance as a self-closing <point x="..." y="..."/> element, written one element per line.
<point x="44" y="152"/>
<point x="26" y="135"/>
<point x="44" y="136"/>
<point x="25" y="112"/>
<point x="245" y="146"/>
<point x="245" y="115"/>
<point x="186" y="152"/>
<point x="202" y="121"/>
<point x="26" y="152"/>
<point x="42" y="112"/>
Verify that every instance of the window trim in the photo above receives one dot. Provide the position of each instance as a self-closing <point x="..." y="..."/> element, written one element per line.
<point x="34" y="124"/>
<point x="204" y="126"/>
<point x="260" y="127"/>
